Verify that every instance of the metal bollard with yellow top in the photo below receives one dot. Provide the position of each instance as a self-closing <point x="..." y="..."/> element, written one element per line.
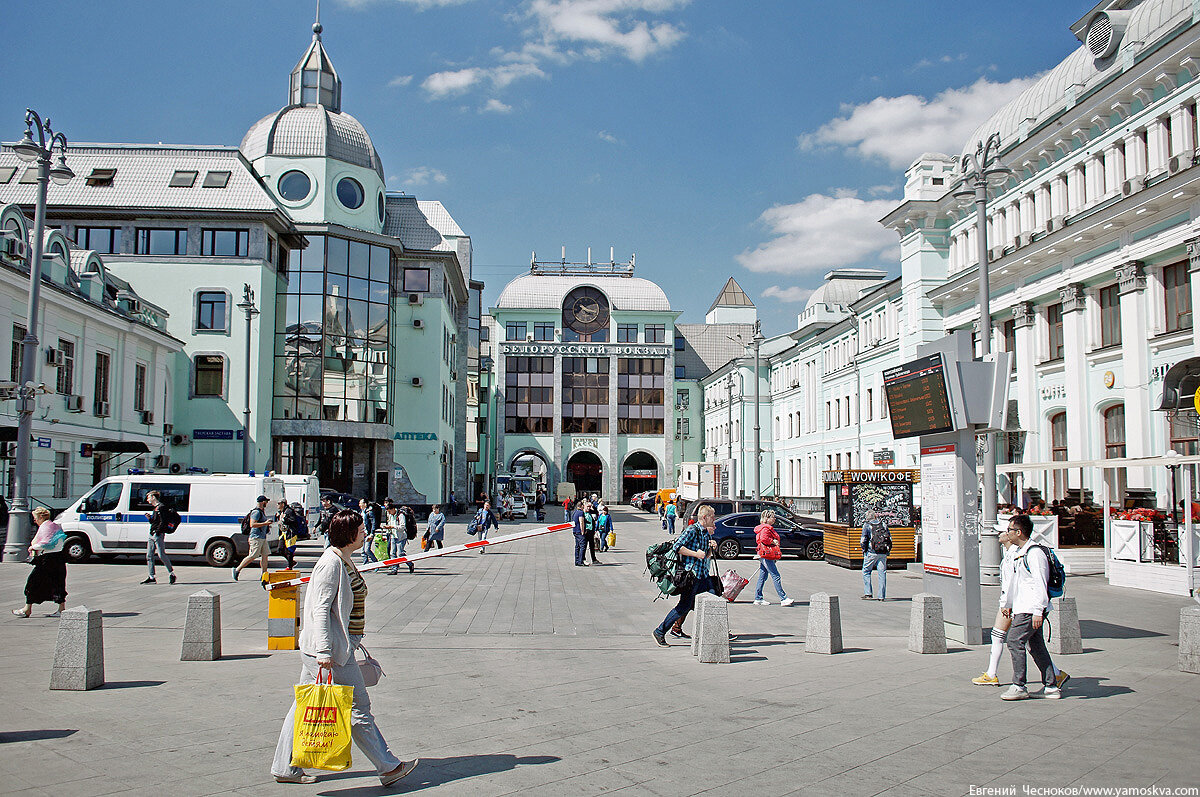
<point x="283" y="612"/>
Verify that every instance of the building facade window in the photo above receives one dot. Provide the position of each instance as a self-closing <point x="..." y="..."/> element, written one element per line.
<point x="416" y="280"/>
<point x="1058" y="452"/>
<point x="104" y="240"/>
<point x="62" y="474"/>
<point x="1177" y="294"/>
<point x="514" y="330"/>
<point x="585" y="386"/>
<point x="210" y="375"/>
<point x="627" y="333"/>
<point x="18" y="335"/>
<point x="212" y="308"/>
<point x="680" y="372"/>
<point x="1110" y="316"/>
<point x="682" y="399"/>
<point x="139" y="387"/>
<point x="161" y="241"/>
<point x="66" y="372"/>
<point x="543" y="330"/>
<point x="1054" y="331"/>
<point x="656" y="333"/>
<point x="870" y="406"/>
<point x="529" y="395"/>
<point x="100" y="394"/>
<point x="1114" y="432"/>
<point x="224" y="243"/>
<point x="640" y="396"/>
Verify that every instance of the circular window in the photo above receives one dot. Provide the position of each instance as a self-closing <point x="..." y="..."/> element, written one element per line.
<point x="294" y="186"/>
<point x="381" y="207"/>
<point x="350" y="193"/>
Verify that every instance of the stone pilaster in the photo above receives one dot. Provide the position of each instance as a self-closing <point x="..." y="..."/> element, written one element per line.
<point x="1074" y="366"/>
<point x="1134" y="368"/>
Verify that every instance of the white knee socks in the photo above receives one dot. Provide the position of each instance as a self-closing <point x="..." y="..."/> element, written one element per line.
<point x="998" y="644"/>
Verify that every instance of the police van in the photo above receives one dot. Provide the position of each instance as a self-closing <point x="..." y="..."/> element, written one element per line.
<point x="305" y="491"/>
<point x="111" y="519"/>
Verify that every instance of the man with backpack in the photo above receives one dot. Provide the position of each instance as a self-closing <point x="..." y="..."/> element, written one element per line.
<point x="256" y="526"/>
<point x="876" y="544"/>
<point x="1027" y="603"/>
<point x="289" y="534"/>
<point x="693" y="549"/>
<point x="164" y="520"/>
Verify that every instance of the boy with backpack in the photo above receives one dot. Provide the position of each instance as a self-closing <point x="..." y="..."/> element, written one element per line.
<point x="876" y="544"/>
<point x="163" y="521"/>
<point x="1027" y="603"/>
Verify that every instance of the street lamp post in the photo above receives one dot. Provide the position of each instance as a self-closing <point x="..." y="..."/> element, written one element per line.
<point x="247" y="307"/>
<point x="42" y="150"/>
<point x="756" y="341"/>
<point x="981" y="170"/>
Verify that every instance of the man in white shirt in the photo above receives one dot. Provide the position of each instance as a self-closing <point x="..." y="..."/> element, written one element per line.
<point x="1027" y="602"/>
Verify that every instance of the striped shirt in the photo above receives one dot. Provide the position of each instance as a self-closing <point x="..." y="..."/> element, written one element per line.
<point x="358" y="614"/>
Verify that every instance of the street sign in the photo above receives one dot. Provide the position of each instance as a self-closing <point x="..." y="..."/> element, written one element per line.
<point x="885" y="457"/>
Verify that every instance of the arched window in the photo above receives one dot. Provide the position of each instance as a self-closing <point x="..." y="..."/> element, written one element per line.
<point x="1058" y="453"/>
<point x="1114" y="431"/>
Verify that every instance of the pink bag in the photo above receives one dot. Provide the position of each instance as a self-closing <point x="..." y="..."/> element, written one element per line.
<point x="734" y="584"/>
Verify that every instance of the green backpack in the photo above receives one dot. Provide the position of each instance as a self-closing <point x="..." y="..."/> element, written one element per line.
<point x="666" y="571"/>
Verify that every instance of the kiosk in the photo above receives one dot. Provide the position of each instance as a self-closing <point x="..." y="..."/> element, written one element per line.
<point x="849" y="494"/>
<point x="945" y="398"/>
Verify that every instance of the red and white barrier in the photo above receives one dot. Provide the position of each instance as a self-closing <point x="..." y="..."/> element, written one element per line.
<point x="519" y="535"/>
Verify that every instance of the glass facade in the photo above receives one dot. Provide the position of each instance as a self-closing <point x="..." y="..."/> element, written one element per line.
<point x="332" y="354"/>
<point x="585" y="395"/>
<point x="640" y="389"/>
<point x="529" y="395"/>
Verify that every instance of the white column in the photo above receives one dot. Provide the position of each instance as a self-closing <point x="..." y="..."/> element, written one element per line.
<point x="1026" y="390"/>
<point x="1135" y="155"/>
<point x="1041" y="206"/>
<point x="1157" y="146"/>
<point x="1058" y="196"/>
<point x="1183" y="130"/>
<point x="1114" y="170"/>
<point x="1135" y="367"/>
<point x="1074" y="347"/>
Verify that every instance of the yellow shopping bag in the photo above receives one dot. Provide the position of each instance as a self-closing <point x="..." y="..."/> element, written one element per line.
<point x="321" y="734"/>
<point x="612" y="539"/>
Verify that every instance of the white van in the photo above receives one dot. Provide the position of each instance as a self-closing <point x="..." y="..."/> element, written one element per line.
<point x="305" y="491"/>
<point x="111" y="519"/>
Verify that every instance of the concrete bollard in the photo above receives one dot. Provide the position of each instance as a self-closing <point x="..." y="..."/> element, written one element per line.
<point x="1189" y="639"/>
<point x="1065" y="639"/>
<point x="79" y="651"/>
<point x="927" y="627"/>
<point x="697" y="623"/>
<point x="202" y="627"/>
<point x="824" y="624"/>
<point x="711" y="635"/>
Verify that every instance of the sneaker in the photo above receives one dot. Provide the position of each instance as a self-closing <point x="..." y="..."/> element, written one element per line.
<point x="301" y="778"/>
<point x="235" y="573"/>
<point x="986" y="680"/>
<point x="1015" y="692"/>
<point x="786" y="602"/>
<point x="173" y="579"/>
<point x="55" y="613"/>
<point x="1061" y="679"/>
<point x="761" y="602"/>
<point x="661" y="640"/>
<point x="679" y="633"/>
<point x="388" y="778"/>
<point x="1052" y="692"/>
<point x="867" y="598"/>
<point x="150" y="581"/>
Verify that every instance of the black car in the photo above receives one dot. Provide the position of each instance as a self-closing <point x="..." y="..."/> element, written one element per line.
<point x="728" y="506"/>
<point x="735" y="536"/>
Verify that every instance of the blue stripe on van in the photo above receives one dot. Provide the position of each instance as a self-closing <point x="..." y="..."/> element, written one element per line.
<point x="189" y="518"/>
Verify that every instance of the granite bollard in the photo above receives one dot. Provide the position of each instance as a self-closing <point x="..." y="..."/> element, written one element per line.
<point x="711" y="640"/>
<point x="1065" y="639"/>
<point x="1189" y="639"/>
<point x="927" y="627"/>
<point x="824" y="624"/>
<point x="202" y="627"/>
<point x="79" y="651"/>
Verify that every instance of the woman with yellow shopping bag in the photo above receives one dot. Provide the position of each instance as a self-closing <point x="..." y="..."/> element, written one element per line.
<point x="332" y="628"/>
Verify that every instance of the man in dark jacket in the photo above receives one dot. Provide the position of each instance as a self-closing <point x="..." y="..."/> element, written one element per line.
<point x="163" y="521"/>
<point x="324" y="519"/>
<point x="289" y="529"/>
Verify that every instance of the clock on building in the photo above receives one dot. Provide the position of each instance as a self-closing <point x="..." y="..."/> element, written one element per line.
<point x="585" y="310"/>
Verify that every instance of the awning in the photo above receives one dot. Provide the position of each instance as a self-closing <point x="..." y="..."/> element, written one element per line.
<point x="121" y="447"/>
<point x="1107" y="464"/>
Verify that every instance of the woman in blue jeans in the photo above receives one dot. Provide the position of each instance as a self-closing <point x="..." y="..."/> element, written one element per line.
<point x="693" y="548"/>
<point x="876" y="543"/>
<point x="768" y="553"/>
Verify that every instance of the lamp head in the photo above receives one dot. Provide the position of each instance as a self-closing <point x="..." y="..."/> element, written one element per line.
<point x="27" y="149"/>
<point x="61" y="173"/>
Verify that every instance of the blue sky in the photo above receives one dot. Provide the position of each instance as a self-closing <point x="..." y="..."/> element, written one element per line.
<point x="756" y="139"/>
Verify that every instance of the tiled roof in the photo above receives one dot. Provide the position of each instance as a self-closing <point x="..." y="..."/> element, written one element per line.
<point x="548" y="290"/>
<point x="420" y="225"/>
<point x="312" y="131"/>
<point x="142" y="179"/>
<point x="707" y="347"/>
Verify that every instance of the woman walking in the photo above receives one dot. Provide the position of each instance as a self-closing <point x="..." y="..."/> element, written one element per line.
<point x="333" y="627"/>
<point x="436" y="527"/>
<point x="48" y="581"/>
<point x="670" y="515"/>
<point x="768" y="553"/>
<point x="486" y="519"/>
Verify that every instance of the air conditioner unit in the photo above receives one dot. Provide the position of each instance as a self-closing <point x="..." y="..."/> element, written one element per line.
<point x="102" y="409"/>
<point x="1130" y="187"/>
<point x="418" y="323"/>
<point x="74" y="403"/>
<point x="54" y="357"/>
<point x="1178" y="163"/>
<point x="414" y="298"/>
<point x="147" y="417"/>
<point x="417" y="381"/>
<point x="1054" y="224"/>
<point x="180" y="440"/>
<point x="14" y="248"/>
<point x="162" y="461"/>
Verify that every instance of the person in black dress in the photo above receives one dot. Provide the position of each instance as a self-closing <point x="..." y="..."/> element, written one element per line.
<point x="48" y="581"/>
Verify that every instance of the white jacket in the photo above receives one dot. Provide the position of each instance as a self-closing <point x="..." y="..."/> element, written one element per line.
<point x="1007" y="568"/>
<point x="324" y="629"/>
<point x="1031" y="574"/>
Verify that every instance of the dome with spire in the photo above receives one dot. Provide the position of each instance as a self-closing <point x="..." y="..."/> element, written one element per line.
<point x="313" y="124"/>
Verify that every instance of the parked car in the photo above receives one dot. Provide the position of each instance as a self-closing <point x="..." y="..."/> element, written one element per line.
<point x="519" y="506"/>
<point x="727" y="506"/>
<point x="643" y="501"/>
<point x="735" y="536"/>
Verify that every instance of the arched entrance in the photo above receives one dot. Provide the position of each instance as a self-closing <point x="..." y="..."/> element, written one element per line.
<point x="586" y="471"/>
<point x="640" y="472"/>
<point x="530" y="463"/>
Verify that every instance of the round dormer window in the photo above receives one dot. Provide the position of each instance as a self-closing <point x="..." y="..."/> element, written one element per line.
<point x="350" y="193"/>
<point x="294" y="186"/>
<point x="381" y="208"/>
<point x="1104" y="31"/>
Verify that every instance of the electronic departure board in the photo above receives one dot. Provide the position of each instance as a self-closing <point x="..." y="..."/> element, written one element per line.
<point x="917" y="399"/>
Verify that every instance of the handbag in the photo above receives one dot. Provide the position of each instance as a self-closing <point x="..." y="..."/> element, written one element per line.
<point x="730" y="584"/>
<point x="369" y="667"/>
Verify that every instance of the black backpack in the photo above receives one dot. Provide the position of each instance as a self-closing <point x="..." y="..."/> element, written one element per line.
<point x="880" y="540"/>
<point x="172" y="520"/>
<point x="246" y="522"/>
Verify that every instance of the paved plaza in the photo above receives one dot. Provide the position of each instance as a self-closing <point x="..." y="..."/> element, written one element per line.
<point x="514" y="672"/>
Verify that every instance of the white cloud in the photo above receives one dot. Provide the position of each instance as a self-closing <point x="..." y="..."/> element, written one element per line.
<point x="424" y="175"/>
<point x="792" y="294"/>
<point x="898" y="129"/>
<point x="495" y="106"/>
<point x="821" y="232"/>
<point x="560" y="32"/>
<point x="608" y="137"/>
<point x="400" y="80"/>
<point x="882" y="190"/>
